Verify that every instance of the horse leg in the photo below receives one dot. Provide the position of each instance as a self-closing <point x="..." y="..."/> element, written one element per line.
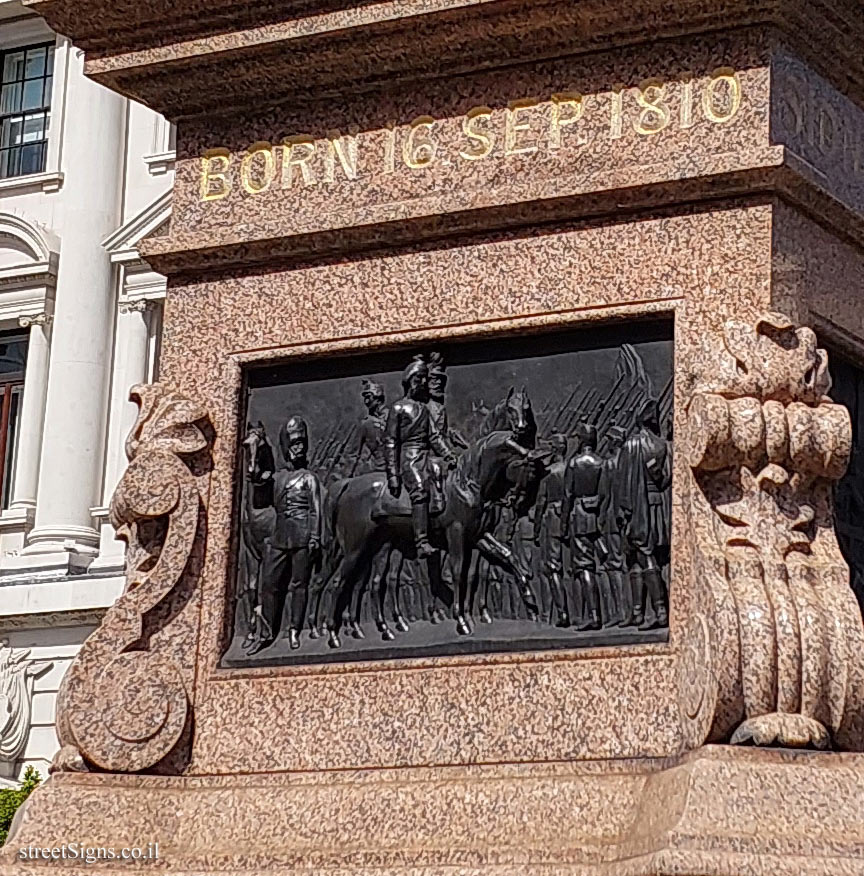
<point x="357" y="608"/>
<point x="319" y="611"/>
<point x="481" y="584"/>
<point x="461" y="551"/>
<point x="398" y="594"/>
<point x="379" y="594"/>
<point x="502" y="556"/>
<point x="356" y="566"/>
<point x="245" y="617"/>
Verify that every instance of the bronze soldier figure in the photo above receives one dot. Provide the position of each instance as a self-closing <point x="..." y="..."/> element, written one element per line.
<point x="549" y="527"/>
<point x="437" y="390"/>
<point x="613" y="561"/>
<point x="295" y="546"/>
<point x="410" y="439"/>
<point x="644" y="476"/>
<point x="370" y="447"/>
<point x="581" y="484"/>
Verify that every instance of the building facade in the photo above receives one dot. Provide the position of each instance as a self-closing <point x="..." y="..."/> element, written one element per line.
<point x="84" y="175"/>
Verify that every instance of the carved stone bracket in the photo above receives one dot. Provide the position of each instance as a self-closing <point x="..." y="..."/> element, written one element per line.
<point x="17" y="674"/>
<point x="123" y="705"/>
<point x="785" y="649"/>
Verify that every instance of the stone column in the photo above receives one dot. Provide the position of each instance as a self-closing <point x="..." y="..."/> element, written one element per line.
<point x="26" y="480"/>
<point x="77" y="401"/>
<point x="131" y="366"/>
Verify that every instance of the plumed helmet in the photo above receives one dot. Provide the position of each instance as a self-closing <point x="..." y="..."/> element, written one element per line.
<point x="370" y="386"/>
<point x="418" y="366"/>
<point x="558" y="442"/>
<point x="586" y="434"/>
<point x="616" y="433"/>
<point x="648" y="412"/>
<point x="293" y="430"/>
<point x="436" y="366"/>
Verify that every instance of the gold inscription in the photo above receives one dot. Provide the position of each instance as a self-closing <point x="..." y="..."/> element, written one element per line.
<point x="475" y="126"/>
<point x="567" y="109"/>
<point x="257" y="168"/>
<point x="717" y="108"/>
<point x="297" y="153"/>
<point x="616" y="116"/>
<point x="685" y="117"/>
<point x="514" y="127"/>
<point x="558" y="124"/>
<point x="419" y="148"/>
<point x="214" y="179"/>
<point x="343" y="148"/>
<point x="655" y="113"/>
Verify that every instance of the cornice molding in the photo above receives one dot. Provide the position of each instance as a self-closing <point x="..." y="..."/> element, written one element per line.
<point x="268" y="52"/>
<point x="123" y="244"/>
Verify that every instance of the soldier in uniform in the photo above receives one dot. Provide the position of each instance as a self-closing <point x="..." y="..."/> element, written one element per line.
<point x="581" y="500"/>
<point x="549" y="528"/>
<point x="644" y="476"/>
<point x="437" y="390"/>
<point x="614" y="562"/>
<point x="370" y="448"/>
<point x="409" y="441"/>
<point x="294" y="548"/>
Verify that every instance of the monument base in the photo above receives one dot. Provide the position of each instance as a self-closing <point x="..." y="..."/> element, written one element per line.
<point x="717" y="810"/>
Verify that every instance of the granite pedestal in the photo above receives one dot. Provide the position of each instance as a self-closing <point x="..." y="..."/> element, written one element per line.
<point x="369" y="179"/>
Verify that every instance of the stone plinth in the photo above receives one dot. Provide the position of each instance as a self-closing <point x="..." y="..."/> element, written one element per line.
<point x="717" y="812"/>
<point x="453" y="172"/>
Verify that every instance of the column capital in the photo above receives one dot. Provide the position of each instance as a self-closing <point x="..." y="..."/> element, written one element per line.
<point x="43" y="319"/>
<point x="137" y="305"/>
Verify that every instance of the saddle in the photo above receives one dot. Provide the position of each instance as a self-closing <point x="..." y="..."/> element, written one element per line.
<point x="387" y="505"/>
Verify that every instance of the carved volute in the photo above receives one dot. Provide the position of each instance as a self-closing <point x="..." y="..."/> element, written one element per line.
<point x="782" y="640"/>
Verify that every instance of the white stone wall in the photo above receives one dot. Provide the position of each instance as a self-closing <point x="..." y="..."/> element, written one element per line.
<point x="70" y="275"/>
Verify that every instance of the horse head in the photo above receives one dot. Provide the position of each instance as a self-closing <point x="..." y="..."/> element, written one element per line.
<point x="259" y="454"/>
<point x="520" y="417"/>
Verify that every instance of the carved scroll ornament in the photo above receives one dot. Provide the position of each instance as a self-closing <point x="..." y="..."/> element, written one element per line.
<point x="782" y="652"/>
<point x="17" y="674"/>
<point x="123" y="705"/>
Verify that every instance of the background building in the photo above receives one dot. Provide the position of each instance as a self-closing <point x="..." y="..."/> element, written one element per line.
<point x="84" y="175"/>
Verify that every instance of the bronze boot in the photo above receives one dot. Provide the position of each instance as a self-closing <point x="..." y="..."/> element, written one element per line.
<point x="656" y="588"/>
<point x="420" y="518"/>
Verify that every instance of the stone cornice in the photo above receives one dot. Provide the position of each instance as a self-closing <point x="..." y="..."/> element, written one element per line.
<point x="172" y="56"/>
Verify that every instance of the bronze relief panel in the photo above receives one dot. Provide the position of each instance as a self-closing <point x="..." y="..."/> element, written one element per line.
<point x="512" y="494"/>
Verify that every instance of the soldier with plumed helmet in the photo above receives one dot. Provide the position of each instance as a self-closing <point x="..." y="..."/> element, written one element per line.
<point x="581" y="501"/>
<point x="411" y="438"/>
<point x="372" y="426"/>
<point x="291" y="553"/>
<point x="644" y="477"/>
<point x="613" y="561"/>
<point x="549" y="527"/>
<point x="437" y="391"/>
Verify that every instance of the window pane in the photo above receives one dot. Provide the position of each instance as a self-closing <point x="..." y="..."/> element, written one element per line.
<point x="11" y="444"/>
<point x="32" y="158"/>
<point x="34" y="127"/>
<point x="32" y="94"/>
<point x="10" y="98"/>
<point x="13" y="354"/>
<point x="10" y="161"/>
<point x="26" y="86"/>
<point x="10" y="131"/>
<point x="35" y="66"/>
<point x="13" y="67"/>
